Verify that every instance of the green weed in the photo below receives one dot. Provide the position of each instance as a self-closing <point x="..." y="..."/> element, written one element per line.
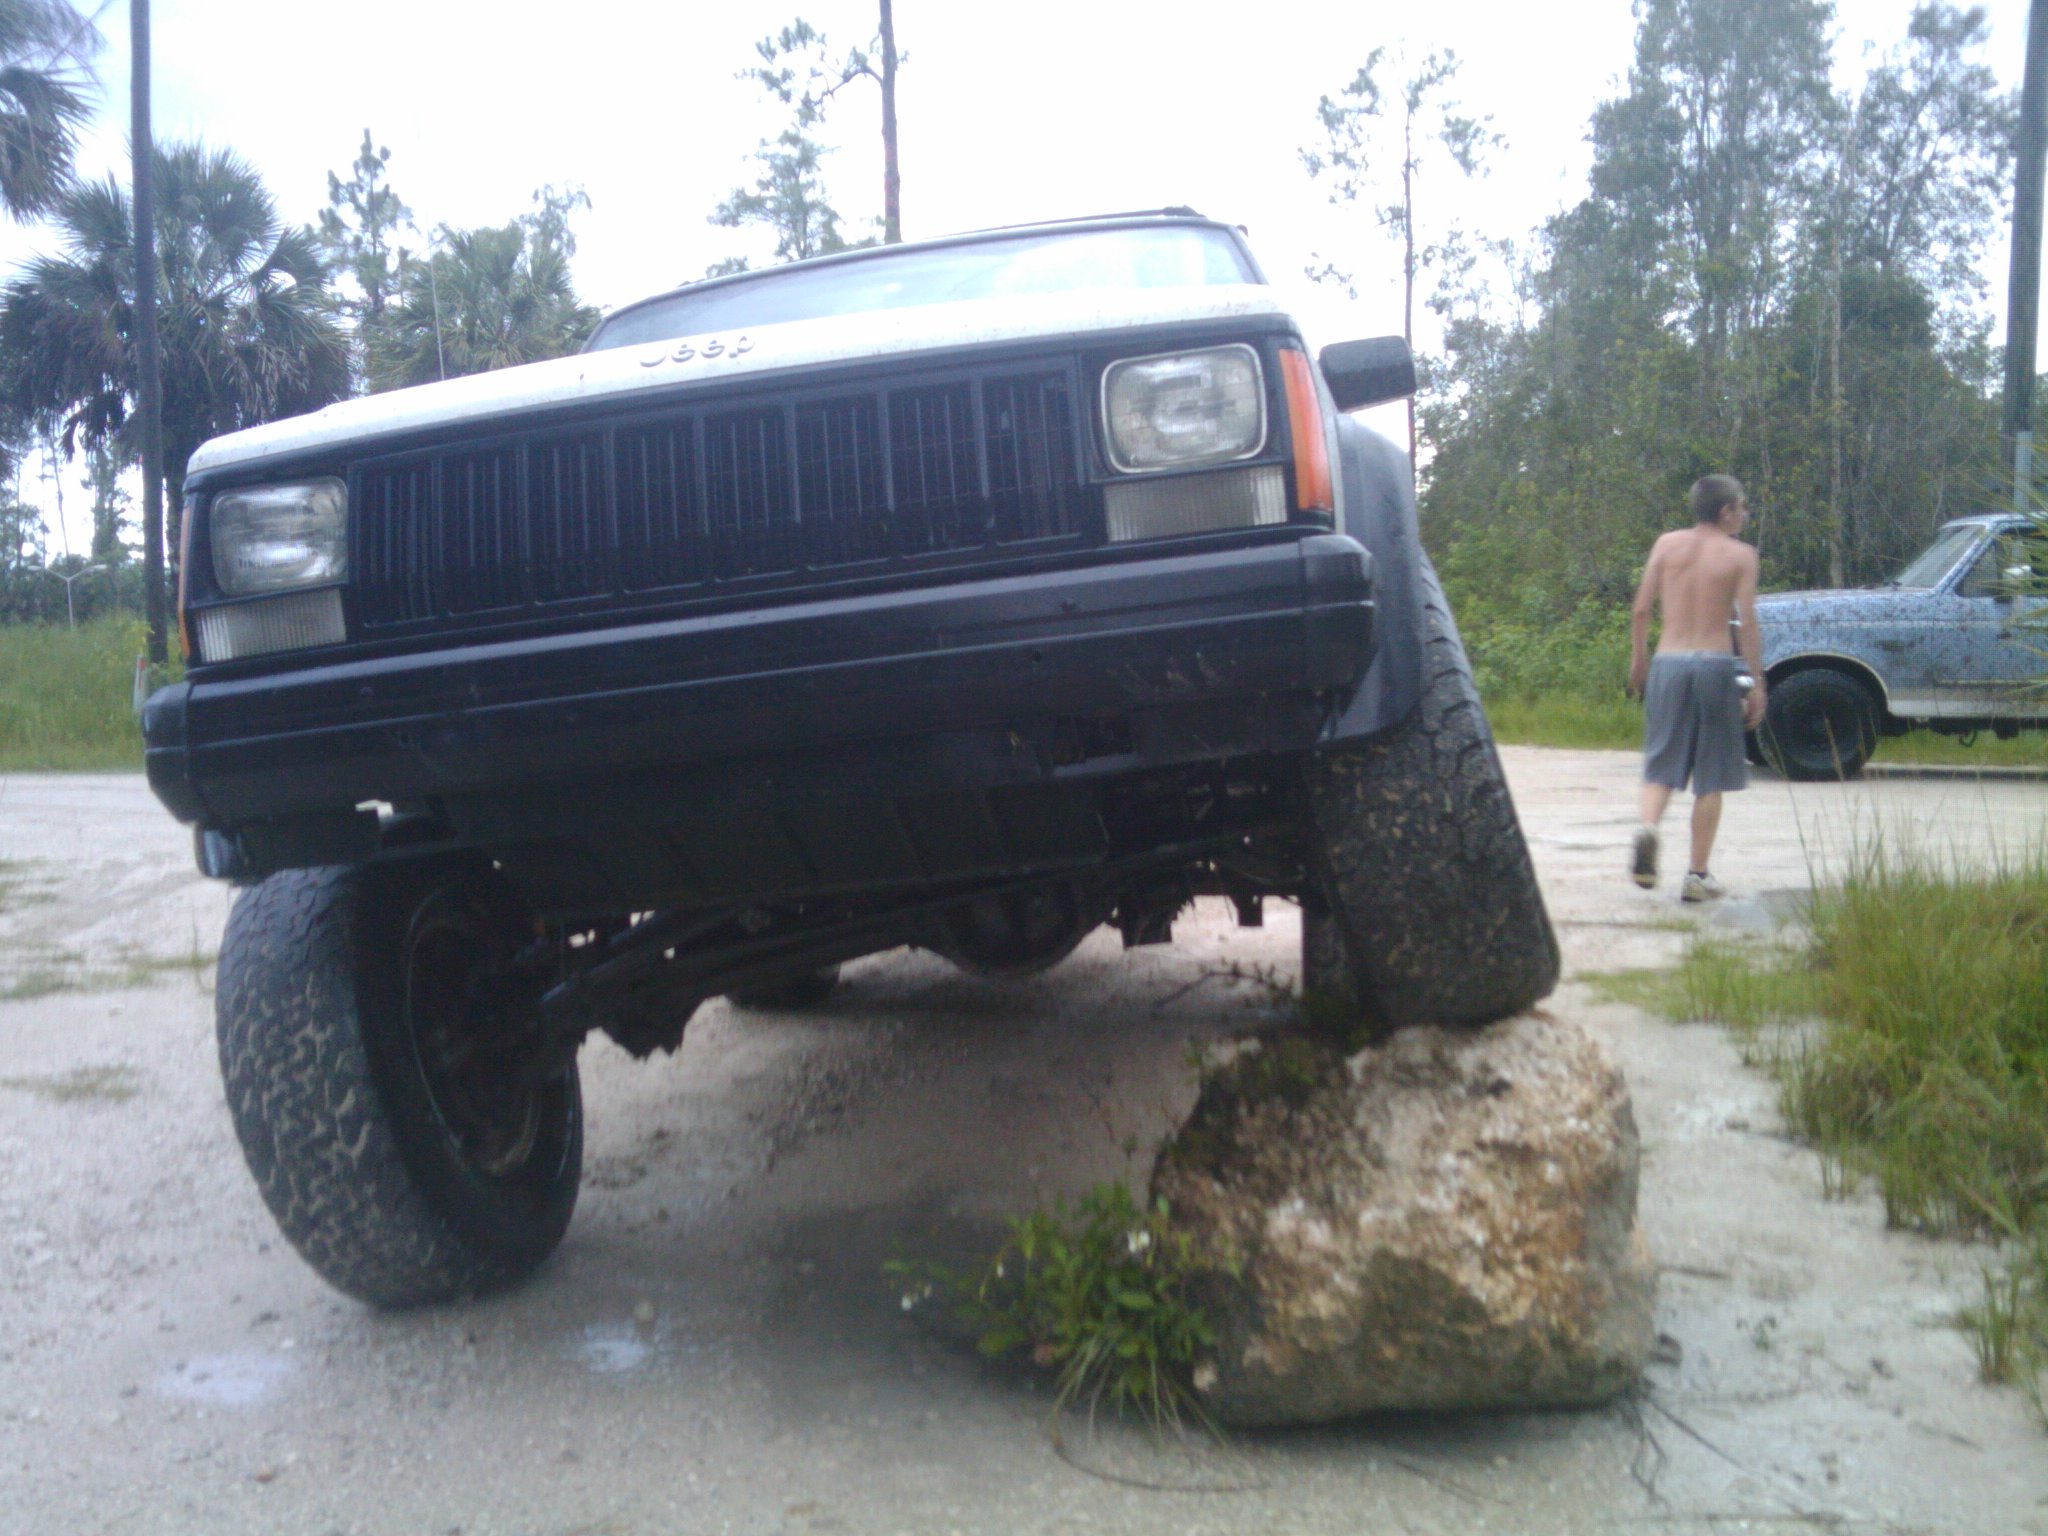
<point x="107" y="1085"/>
<point x="1745" y="986"/>
<point x="52" y="972"/>
<point x="1609" y="721"/>
<point x="13" y="875"/>
<point x="1566" y="720"/>
<point x="66" y="696"/>
<point x="1098" y="1294"/>
<point x="1928" y="1074"/>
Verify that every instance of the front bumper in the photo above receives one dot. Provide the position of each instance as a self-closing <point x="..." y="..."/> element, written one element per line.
<point x="1136" y="640"/>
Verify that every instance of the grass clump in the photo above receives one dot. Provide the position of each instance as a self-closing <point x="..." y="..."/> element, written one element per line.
<point x="104" y="1085"/>
<point x="1928" y="1071"/>
<point x="1724" y="983"/>
<point x="1098" y="1294"/>
<point x="65" y="696"/>
<point x="50" y="972"/>
<point x="1606" y="720"/>
<point x="1933" y="1071"/>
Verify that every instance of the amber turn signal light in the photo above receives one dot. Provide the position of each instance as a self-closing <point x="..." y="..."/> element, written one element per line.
<point x="1312" y="489"/>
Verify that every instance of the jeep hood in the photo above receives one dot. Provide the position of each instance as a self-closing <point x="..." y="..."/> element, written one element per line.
<point x="660" y="367"/>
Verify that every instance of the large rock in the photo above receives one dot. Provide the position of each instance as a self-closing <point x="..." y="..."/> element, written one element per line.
<point x="1446" y="1220"/>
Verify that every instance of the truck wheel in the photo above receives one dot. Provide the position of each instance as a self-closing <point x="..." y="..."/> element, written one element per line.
<point x="1820" y="724"/>
<point x="376" y="1082"/>
<point x="1422" y="863"/>
<point x="792" y="996"/>
<point x="1329" y="991"/>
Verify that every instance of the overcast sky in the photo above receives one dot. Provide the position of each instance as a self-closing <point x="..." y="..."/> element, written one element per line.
<point x="1008" y="114"/>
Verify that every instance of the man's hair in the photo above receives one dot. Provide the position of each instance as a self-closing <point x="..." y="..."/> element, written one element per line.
<point x="1711" y="493"/>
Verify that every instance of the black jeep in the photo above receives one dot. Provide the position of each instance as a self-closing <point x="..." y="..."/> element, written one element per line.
<point x="967" y="594"/>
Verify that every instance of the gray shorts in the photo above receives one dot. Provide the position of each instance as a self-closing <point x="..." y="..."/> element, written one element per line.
<point x="1692" y="723"/>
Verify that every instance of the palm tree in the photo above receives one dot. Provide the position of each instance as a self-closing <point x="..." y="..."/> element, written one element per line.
<point x="43" y="48"/>
<point x="485" y="298"/>
<point x="245" y="322"/>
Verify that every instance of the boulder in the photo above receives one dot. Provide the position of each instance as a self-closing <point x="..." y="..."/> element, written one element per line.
<point x="1446" y="1220"/>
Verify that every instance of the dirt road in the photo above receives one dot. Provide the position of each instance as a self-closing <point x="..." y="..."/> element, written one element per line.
<point x="715" y="1349"/>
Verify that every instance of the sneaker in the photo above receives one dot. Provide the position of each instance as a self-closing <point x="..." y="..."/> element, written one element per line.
<point x="1643" y="869"/>
<point x="1701" y="886"/>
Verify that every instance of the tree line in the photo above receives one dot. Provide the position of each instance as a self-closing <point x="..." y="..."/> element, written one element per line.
<point x="258" y="319"/>
<point x="1770" y="276"/>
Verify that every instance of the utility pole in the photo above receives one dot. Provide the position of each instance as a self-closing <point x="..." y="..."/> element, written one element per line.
<point x="892" y="179"/>
<point x="148" y="379"/>
<point x="2023" y="287"/>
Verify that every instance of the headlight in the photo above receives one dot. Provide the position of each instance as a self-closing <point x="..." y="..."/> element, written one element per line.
<point x="1184" y="409"/>
<point x="275" y="538"/>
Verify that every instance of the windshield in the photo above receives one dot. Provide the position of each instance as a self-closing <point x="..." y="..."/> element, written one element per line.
<point x="1938" y="559"/>
<point x="1160" y="256"/>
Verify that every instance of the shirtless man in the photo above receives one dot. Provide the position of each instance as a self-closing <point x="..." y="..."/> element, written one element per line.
<point x="1693" y="712"/>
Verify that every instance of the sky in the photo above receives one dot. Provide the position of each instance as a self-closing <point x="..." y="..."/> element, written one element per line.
<point x="1007" y="114"/>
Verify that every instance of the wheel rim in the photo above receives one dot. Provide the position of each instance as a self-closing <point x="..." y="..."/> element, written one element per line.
<point x="461" y="1042"/>
<point x="1828" y="733"/>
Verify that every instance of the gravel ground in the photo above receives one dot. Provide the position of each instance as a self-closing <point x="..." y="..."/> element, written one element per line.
<point x="714" y="1349"/>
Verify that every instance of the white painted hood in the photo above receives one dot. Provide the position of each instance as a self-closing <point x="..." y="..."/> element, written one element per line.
<point x="624" y="372"/>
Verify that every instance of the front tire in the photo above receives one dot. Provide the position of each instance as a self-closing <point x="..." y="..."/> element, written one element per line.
<point x="1423" y="867"/>
<point x="377" y="1087"/>
<point x="1820" y="724"/>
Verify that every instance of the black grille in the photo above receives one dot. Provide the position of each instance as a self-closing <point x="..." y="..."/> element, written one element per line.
<point x="478" y="529"/>
<point x="841" y="485"/>
<point x="775" y="491"/>
<point x="661" y="532"/>
<point x="569" y="518"/>
<point x="748" y="494"/>
<point x="938" y="473"/>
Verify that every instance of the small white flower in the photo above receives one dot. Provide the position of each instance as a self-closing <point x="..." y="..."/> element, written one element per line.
<point x="1137" y="1241"/>
<point x="999" y="1269"/>
<point x="909" y="1302"/>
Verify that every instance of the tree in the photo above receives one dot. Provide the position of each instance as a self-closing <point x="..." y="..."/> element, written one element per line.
<point x="789" y="198"/>
<point x="358" y="232"/>
<point x="22" y="582"/>
<point x="1355" y="122"/>
<point x="799" y="68"/>
<point x="110" y="503"/>
<point x="247" y="326"/>
<point x="1932" y="155"/>
<point x="1710" y="154"/>
<point x="1910" y="193"/>
<point x="548" y="225"/>
<point x="44" y="49"/>
<point x="1764" y="280"/>
<point x="486" y="298"/>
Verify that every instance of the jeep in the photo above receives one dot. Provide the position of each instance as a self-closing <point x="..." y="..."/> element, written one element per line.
<point x="969" y="594"/>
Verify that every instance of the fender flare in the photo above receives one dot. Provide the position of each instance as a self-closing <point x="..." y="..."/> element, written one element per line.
<point x="1838" y="661"/>
<point x="1378" y="510"/>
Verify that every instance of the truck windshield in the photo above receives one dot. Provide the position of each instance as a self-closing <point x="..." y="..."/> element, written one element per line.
<point x="1162" y="256"/>
<point x="1939" y="558"/>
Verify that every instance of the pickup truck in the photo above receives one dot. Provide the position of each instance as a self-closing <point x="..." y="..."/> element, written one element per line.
<point x="968" y="594"/>
<point x="1956" y="642"/>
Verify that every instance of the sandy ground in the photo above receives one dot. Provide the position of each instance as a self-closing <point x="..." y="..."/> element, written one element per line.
<point x="167" y="1364"/>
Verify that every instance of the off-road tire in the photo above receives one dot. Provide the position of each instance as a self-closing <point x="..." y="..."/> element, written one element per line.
<point x="1329" y="989"/>
<point x="1421" y="862"/>
<point x="793" y="996"/>
<point x="1820" y="724"/>
<point x="332" y="1102"/>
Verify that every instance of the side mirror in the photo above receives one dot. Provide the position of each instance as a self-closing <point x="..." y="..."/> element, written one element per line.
<point x="1372" y="372"/>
